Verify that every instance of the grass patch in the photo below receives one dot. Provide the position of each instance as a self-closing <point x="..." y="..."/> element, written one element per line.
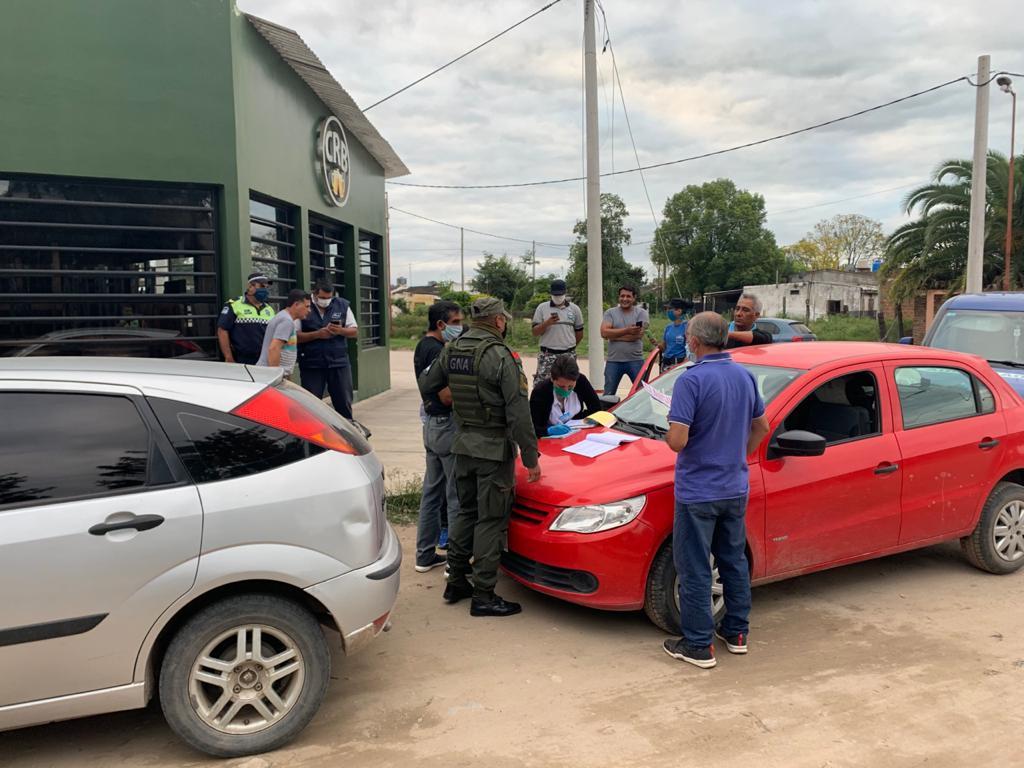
<point x="403" y="500"/>
<point x="843" y="328"/>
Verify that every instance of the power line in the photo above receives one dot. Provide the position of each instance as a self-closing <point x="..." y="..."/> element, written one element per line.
<point x="702" y="156"/>
<point x="844" y="199"/>
<point x="478" y="232"/>
<point x="464" y="55"/>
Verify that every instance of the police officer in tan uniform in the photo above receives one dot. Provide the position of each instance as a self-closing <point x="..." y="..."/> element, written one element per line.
<point x="492" y="415"/>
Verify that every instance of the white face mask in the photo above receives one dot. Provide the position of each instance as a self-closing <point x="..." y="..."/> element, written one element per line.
<point x="558" y="300"/>
<point x="323" y="303"/>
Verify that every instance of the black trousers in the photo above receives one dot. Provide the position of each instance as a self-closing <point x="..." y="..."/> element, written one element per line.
<point x="337" y="381"/>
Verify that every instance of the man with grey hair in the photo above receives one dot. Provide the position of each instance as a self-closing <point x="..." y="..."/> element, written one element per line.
<point x="742" y="332"/>
<point x="715" y="421"/>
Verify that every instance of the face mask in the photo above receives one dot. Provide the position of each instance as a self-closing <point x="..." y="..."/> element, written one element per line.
<point x="558" y="300"/>
<point x="323" y="303"/>
<point x="451" y="332"/>
<point x="504" y="332"/>
<point x="261" y="295"/>
<point x="563" y="393"/>
<point x="671" y="315"/>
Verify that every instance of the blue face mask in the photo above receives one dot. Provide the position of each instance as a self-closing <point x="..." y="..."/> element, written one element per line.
<point x="671" y="315"/>
<point x="451" y="332"/>
<point x="261" y="294"/>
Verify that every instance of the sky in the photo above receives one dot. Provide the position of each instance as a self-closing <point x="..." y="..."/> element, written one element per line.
<point x="696" y="76"/>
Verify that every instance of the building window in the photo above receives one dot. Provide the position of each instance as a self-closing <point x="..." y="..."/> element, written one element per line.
<point x="107" y="268"/>
<point x="370" y="271"/>
<point x="327" y="251"/>
<point x="272" y="232"/>
<point x="834" y="307"/>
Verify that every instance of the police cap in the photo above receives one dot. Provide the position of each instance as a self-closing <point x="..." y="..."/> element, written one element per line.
<point x="488" y="306"/>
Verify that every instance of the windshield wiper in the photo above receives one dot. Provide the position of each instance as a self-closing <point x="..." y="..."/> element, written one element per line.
<point x="656" y="429"/>
<point x="1009" y="363"/>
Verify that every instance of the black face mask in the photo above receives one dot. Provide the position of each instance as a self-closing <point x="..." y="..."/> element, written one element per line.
<point x="504" y="332"/>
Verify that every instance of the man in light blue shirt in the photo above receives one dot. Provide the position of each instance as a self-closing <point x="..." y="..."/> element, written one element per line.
<point x="716" y="420"/>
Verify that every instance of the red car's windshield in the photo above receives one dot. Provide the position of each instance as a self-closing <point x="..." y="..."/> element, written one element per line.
<point x="651" y="406"/>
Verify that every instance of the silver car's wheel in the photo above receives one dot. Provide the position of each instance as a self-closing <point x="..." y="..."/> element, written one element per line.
<point x="997" y="542"/>
<point x="661" y="597"/>
<point x="244" y="675"/>
<point x="1008" y="532"/>
<point x="247" y="679"/>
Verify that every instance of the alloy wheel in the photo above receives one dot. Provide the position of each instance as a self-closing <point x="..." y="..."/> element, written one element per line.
<point x="246" y="679"/>
<point x="1008" y="531"/>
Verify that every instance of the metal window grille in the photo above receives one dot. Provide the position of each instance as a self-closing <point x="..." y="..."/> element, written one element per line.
<point x="370" y="271"/>
<point x="327" y="252"/>
<point x="108" y="268"/>
<point x="272" y="235"/>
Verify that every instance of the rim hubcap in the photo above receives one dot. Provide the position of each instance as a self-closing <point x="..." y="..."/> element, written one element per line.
<point x="717" y="592"/>
<point x="246" y="679"/>
<point x="1008" y="532"/>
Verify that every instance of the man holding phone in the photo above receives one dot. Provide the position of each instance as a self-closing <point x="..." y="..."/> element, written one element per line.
<point x="559" y="323"/>
<point x="623" y="325"/>
<point x="323" y="348"/>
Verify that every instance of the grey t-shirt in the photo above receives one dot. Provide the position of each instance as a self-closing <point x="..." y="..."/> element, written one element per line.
<point x="284" y="327"/>
<point x="561" y="335"/>
<point x="625" y="351"/>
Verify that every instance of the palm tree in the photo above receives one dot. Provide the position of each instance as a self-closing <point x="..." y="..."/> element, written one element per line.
<point x="931" y="251"/>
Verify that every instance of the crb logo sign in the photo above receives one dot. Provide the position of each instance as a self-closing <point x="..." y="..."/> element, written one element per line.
<point x="332" y="161"/>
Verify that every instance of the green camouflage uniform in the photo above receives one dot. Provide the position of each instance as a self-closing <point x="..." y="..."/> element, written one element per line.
<point x="492" y="416"/>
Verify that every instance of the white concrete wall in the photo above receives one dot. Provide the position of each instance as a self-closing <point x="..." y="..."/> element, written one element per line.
<point x="808" y="296"/>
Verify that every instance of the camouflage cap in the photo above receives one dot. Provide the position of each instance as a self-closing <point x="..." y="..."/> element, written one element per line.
<point x="488" y="306"/>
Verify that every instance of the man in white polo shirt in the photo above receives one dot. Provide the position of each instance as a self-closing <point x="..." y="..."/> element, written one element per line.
<point x="559" y="323"/>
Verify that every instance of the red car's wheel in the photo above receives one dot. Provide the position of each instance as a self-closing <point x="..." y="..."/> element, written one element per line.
<point x="661" y="598"/>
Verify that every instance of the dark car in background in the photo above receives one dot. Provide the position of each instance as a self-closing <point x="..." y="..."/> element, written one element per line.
<point x="990" y="325"/>
<point x="784" y="329"/>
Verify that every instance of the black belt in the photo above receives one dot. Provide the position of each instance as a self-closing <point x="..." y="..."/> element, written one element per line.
<point x="557" y="351"/>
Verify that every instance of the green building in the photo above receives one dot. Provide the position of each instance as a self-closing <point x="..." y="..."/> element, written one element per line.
<point x="153" y="153"/>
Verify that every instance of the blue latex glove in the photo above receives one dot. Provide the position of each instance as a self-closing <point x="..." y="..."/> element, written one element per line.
<point x="565" y="418"/>
<point x="558" y="430"/>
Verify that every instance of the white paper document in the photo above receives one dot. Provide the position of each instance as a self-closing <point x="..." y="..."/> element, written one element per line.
<point x="595" y="445"/>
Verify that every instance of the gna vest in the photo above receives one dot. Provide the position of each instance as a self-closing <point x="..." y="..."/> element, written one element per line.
<point x="463" y="365"/>
<point x="247" y="313"/>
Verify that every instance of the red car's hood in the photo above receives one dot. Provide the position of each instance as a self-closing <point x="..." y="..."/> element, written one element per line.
<point x="569" y="480"/>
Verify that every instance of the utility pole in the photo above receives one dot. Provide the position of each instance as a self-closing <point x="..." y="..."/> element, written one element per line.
<point x="595" y="281"/>
<point x="976" y="231"/>
<point x="462" y="259"/>
<point x="533" y="258"/>
<point x="410" y="274"/>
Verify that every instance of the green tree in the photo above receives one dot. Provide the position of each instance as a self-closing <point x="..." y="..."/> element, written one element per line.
<point x="931" y="251"/>
<point x="448" y="293"/>
<point x="500" y="276"/>
<point x="847" y="239"/>
<point x="615" y="270"/>
<point x="714" y="238"/>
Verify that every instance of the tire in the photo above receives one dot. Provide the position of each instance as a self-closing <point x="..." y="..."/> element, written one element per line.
<point x="996" y="544"/>
<point x="661" y="598"/>
<point x="229" y="717"/>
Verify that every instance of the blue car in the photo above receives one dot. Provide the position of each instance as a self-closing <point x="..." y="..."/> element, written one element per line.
<point x="784" y="329"/>
<point x="990" y="325"/>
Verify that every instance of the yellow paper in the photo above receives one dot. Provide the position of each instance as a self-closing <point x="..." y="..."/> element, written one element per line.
<point x="603" y="418"/>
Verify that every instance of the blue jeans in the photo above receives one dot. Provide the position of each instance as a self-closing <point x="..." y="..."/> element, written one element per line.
<point x="438" y="486"/>
<point x="613" y="373"/>
<point x="701" y="530"/>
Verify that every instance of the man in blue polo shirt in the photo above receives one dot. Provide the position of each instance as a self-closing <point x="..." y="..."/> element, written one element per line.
<point x="715" y="421"/>
<point x="323" y="348"/>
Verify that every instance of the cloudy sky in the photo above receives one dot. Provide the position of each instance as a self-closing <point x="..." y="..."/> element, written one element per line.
<point x="697" y="76"/>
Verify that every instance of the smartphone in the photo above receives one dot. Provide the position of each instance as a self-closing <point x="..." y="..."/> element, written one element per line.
<point x="335" y="322"/>
<point x="554" y="315"/>
<point x="640" y="324"/>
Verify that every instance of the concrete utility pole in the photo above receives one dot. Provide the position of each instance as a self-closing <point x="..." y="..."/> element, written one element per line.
<point x="1006" y="85"/>
<point x="976" y="232"/>
<point x="533" y="258"/>
<point x="595" y="280"/>
<point x="462" y="259"/>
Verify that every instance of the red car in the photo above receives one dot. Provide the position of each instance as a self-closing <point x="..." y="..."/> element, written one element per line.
<point x="873" y="449"/>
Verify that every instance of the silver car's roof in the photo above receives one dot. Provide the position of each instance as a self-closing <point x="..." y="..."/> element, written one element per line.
<point x="19" y="366"/>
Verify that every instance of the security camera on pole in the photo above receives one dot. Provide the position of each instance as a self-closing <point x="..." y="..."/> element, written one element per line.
<point x="595" y="280"/>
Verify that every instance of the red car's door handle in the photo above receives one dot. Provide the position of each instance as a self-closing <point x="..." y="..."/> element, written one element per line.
<point x="988" y="442"/>
<point x="886" y="469"/>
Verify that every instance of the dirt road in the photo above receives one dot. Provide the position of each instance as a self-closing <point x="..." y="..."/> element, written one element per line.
<point x="913" y="660"/>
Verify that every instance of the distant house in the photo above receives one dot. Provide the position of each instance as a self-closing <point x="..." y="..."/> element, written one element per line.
<point x="417" y="295"/>
<point x="818" y="294"/>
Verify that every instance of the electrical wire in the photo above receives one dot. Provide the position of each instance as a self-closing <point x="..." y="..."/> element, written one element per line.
<point x="701" y="156"/>
<point x="478" y="232"/>
<point x="462" y="56"/>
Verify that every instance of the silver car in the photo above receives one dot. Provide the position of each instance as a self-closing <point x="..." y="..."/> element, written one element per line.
<point x="182" y="529"/>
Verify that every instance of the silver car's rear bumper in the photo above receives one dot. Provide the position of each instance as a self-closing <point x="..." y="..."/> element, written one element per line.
<point x="361" y="601"/>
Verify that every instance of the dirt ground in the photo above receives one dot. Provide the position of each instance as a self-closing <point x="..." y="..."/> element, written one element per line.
<point x="914" y="660"/>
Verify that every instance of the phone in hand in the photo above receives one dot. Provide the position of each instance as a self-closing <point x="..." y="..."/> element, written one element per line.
<point x="639" y="324"/>
<point x="554" y="315"/>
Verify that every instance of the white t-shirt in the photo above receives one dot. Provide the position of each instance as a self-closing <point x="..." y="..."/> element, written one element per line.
<point x="571" y="406"/>
<point x="561" y="335"/>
